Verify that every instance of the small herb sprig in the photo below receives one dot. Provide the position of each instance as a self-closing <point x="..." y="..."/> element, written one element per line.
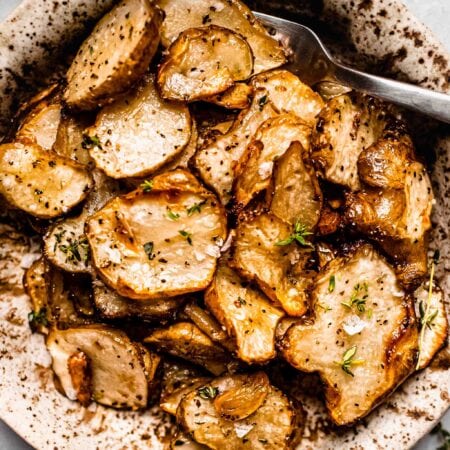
<point x="148" y="249"/>
<point x="195" y="208"/>
<point x="36" y="318"/>
<point x="146" y="186"/>
<point x="186" y="235"/>
<point x="427" y="316"/>
<point x="172" y="215"/>
<point x="348" y="360"/>
<point x="208" y="392"/>
<point x="299" y="234"/>
<point x="90" y="142"/>
<point x="332" y="284"/>
<point x="76" y="251"/>
<point x="359" y="297"/>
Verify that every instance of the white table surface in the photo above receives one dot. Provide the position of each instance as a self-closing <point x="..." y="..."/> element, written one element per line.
<point x="435" y="14"/>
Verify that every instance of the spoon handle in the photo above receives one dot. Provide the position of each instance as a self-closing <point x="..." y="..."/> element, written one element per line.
<point x="425" y="101"/>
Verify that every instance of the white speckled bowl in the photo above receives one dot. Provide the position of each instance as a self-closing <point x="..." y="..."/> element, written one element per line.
<point x="378" y="35"/>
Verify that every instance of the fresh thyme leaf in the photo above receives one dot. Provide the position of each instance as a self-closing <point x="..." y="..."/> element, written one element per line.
<point x="90" y="141"/>
<point x="58" y="238"/>
<point x="147" y="185"/>
<point x="331" y="284"/>
<point x="262" y="101"/>
<point x="148" y="248"/>
<point x="186" y="235"/>
<point x="242" y="301"/>
<point x="208" y="392"/>
<point x="299" y="234"/>
<point x="196" y="207"/>
<point x="326" y="308"/>
<point x="358" y="298"/>
<point x="76" y="251"/>
<point x="36" y="318"/>
<point x="171" y="215"/>
<point x="426" y="315"/>
<point x="348" y="360"/>
<point x="286" y="241"/>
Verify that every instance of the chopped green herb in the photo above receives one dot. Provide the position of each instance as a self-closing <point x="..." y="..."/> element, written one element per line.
<point x="148" y="248"/>
<point x="299" y="234"/>
<point x="73" y="253"/>
<point x="147" y="185"/>
<point x="91" y="49"/>
<point x="36" y="318"/>
<point x="358" y="298"/>
<point x="426" y="315"/>
<point x="90" y="141"/>
<point x="58" y="238"/>
<point x="171" y="215"/>
<point x="186" y="235"/>
<point x="208" y="392"/>
<point x="262" y="101"/>
<point x="348" y="361"/>
<point x="196" y="207"/>
<point x="242" y="301"/>
<point x="38" y="191"/>
<point x="326" y="308"/>
<point x="331" y="284"/>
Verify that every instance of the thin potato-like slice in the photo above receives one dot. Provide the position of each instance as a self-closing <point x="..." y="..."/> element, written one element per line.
<point x="232" y="14"/>
<point x="41" y="125"/>
<point x="185" y="340"/>
<point x="363" y="341"/>
<point x="270" y="142"/>
<point x="115" y="55"/>
<point x="434" y="321"/>
<point x="347" y="125"/>
<point x="37" y="289"/>
<point x="276" y="92"/>
<point x="270" y="426"/>
<point x="160" y="240"/>
<point x="110" y="305"/>
<point x="203" y="62"/>
<point x="138" y="134"/>
<point x="295" y="193"/>
<point x="120" y="377"/>
<point x="246" y="314"/>
<point x="65" y="244"/>
<point x="40" y="182"/>
<point x="260" y="254"/>
<point x="289" y="95"/>
<point x="215" y="161"/>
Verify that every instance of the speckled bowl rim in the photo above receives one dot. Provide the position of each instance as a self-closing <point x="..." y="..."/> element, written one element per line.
<point x="32" y="407"/>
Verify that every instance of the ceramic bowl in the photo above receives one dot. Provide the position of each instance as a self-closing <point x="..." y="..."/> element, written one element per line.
<point x="379" y="36"/>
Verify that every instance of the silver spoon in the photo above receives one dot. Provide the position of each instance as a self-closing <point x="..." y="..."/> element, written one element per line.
<point x="312" y="62"/>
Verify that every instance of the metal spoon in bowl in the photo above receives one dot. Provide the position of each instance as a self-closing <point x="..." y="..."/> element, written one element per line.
<point x="312" y="62"/>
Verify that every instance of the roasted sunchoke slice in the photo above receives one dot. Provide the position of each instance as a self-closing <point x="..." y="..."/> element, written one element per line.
<point x="203" y="62"/>
<point x="160" y="240"/>
<point x="39" y="181"/>
<point x="115" y="55"/>
<point x="363" y="340"/>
